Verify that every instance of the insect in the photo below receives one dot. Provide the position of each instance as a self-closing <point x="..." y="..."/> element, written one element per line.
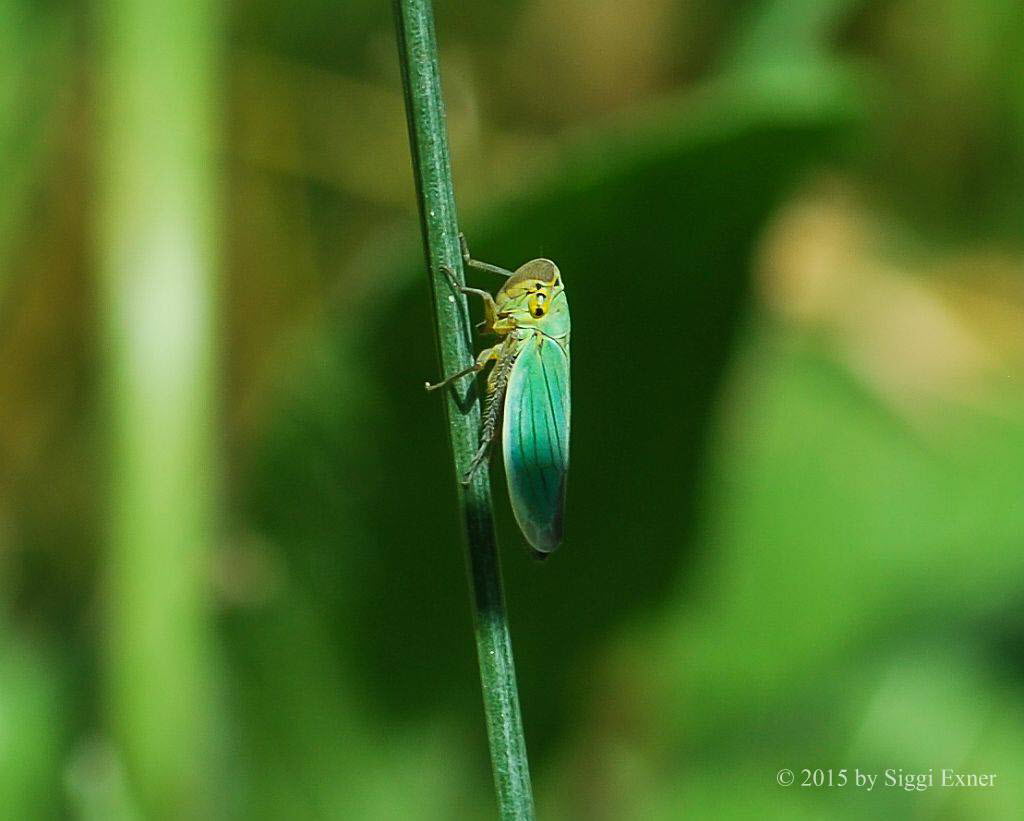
<point x="528" y="386"/>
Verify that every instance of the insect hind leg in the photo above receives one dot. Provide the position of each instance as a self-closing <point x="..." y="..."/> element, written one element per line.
<point x="482" y="455"/>
<point x="496" y="387"/>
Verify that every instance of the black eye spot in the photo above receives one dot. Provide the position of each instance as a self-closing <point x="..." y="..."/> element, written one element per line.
<point x="539" y="312"/>
<point x="557" y="282"/>
<point x="538" y="285"/>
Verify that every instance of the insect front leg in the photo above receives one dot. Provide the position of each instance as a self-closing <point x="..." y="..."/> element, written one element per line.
<point x="484" y="357"/>
<point x="490" y="309"/>
<point x="475" y="263"/>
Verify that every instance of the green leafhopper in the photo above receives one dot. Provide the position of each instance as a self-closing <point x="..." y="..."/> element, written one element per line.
<point x="527" y="391"/>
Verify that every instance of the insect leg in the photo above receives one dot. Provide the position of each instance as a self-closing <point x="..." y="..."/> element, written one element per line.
<point x="478" y="459"/>
<point x="484" y="357"/>
<point x="480" y="266"/>
<point x="490" y="309"/>
<point x="496" y="386"/>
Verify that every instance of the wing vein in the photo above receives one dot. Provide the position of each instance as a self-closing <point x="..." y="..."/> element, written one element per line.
<point x="529" y="464"/>
<point x="533" y="427"/>
<point x="552" y="415"/>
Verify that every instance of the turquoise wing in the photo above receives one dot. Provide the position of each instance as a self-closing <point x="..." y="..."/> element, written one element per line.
<point x="535" y="439"/>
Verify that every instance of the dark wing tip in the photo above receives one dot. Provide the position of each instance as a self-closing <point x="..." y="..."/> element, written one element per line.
<point x="544" y="539"/>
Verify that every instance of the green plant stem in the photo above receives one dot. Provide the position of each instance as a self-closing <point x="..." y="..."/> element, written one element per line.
<point x="417" y="49"/>
<point x="156" y="243"/>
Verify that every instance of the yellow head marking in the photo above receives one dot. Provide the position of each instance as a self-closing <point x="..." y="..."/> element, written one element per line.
<point x="538" y="302"/>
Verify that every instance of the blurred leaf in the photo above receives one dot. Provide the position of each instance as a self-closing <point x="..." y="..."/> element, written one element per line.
<point x="788" y="31"/>
<point x="36" y="63"/>
<point x="32" y="730"/>
<point x="949" y="120"/>
<point x="859" y="607"/>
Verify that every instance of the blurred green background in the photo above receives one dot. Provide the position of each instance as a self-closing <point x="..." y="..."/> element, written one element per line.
<point x="231" y="579"/>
